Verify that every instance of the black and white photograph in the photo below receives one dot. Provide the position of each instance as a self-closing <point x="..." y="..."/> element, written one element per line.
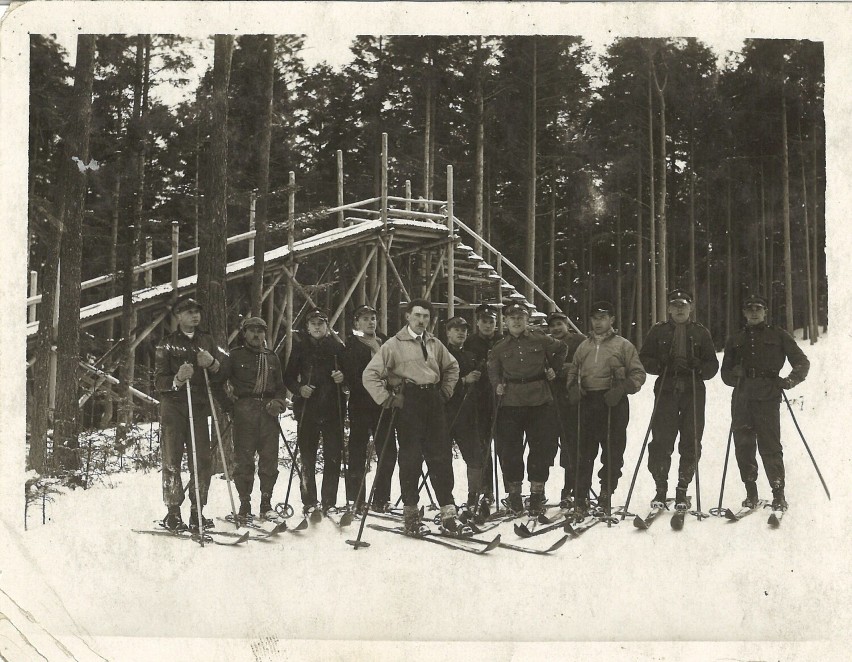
<point x="364" y="290"/>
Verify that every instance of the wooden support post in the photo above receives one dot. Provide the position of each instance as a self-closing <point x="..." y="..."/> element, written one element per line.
<point x="147" y="331"/>
<point x="270" y="307"/>
<point x="31" y="309"/>
<point x="291" y="230"/>
<point x="175" y="250"/>
<point x="340" y="187"/>
<point x="361" y="296"/>
<point x="386" y="251"/>
<point x="451" y="252"/>
<point x="383" y="266"/>
<point x="291" y="212"/>
<point x="355" y="281"/>
<point x="252" y="211"/>
<point x="499" y="282"/>
<point x="288" y="303"/>
<point x="51" y="400"/>
<point x="436" y="272"/>
<point x="301" y="290"/>
<point x="407" y="195"/>
<point x="149" y="255"/>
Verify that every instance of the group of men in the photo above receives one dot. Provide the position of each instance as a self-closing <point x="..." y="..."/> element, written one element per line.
<point x="528" y="390"/>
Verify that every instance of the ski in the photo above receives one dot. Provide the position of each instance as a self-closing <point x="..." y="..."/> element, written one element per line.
<point x="642" y="523"/>
<point x="523" y="531"/>
<point x="744" y="511"/>
<point x="280" y="527"/>
<point x="577" y="530"/>
<point x="775" y="518"/>
<point x="520" y="548"/>
<point x="475" y="528"/>
<point x="446" y="541"/>
<point x="341" y="522"/>
<point x="679" y="516"/>
<point x="186" y="534"/>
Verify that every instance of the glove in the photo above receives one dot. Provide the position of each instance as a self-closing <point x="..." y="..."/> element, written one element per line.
<point x="550" y="373"/>
<point x="205" y="358"/>
<point x="785" y="383"/>
<point x="306" y="391"/>
<point x="472" y="377"/>
<point x="575" y="394"/>
<point x="614" y="395"/>
<point x="738" y="371"/>
<point x="275" y="408"/>
<point x="337" y="376"/>
<point x="185" y="372"/>
<point x="501" y="389"/>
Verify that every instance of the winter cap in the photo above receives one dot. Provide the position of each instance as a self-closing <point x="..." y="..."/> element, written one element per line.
<point x="603" y="307"/>
<point x="514" y="309"/>
<point x="364" y="310"/>
<point x="556" y="315"/>
<point x="484" y="310"/>
<point x="755" y="300"/>
<point x="253" y="321"/>
<point x="680" y="296"/>
<point x="316" y="313"/>
<point x="457" y="321"/>
<point x="185" y="302"/>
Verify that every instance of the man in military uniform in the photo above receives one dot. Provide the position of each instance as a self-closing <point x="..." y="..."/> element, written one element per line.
<point x="682" y="352"/>
<point x="254" y="373"/>
<point x="558" y="327"/>
<point x="605" y="369"/>
<point x="463" y="423"/>
<point x="364" y="413"/>
<point x="480" y="343"/>
<point x="753" y="358"/>
<point x="520" y="365"/>
<point x="312" y="374"/>
<point x="414" y="372"/>
<point x="182" y="358"/>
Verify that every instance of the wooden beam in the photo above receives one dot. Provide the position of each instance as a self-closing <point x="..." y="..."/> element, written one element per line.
<point x="147" y="331"/>
<point x="353" y="285"/>
<point x="435" y="273"/>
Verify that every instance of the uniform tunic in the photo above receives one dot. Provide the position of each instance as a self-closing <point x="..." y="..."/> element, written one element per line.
<point x="526" y="409"/>
<point x="174" y="350"/>
<point x="255" y="377"/>
<point x="679" y="408"/>
<point x="568" y="415"/>
<point x="761" y="350"/>
<point x="462" y="411"/>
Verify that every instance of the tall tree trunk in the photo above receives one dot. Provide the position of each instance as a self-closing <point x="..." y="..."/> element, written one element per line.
<point x="266" y="50"/>
<point x="531" y="182"/>
<point x="70" y="256"/>
<point x="479" y="146"/>
<point x="427" y="139"/>
<point x="693" y="281"/>
<point x="618" y="262"/>
<point x="788" y="261"/>
<point x="663" y="248"/>
<point x="213" y="251"/>
<point x="551" y="256"/>
<point x="729" y="258"/>
<point x="810" y="326"/>
<point x="815" y="233"/>
<point x="764" y="278"/>
<point x="653" y="212"/>
<point x="640" y="260"/>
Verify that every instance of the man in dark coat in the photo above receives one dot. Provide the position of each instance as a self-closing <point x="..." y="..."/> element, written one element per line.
<point x="182" y="358"/>
<point x="313" y="376"/>
<point x="682" y="352"/>
<point x="753" y="358"/>
<point x="260" y="397"/>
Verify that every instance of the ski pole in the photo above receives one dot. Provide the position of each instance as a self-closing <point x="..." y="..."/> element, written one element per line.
<point x="370" y="446"/>
<point x="608" y="467"/>
<point x="221" y="449"/>
<point x="645" y="444"/>
<point x="494" y="455"/>
<point x="299" y="432"/>
<point x="195" y="465"/>
<point x="577" y="454"/>
<point x="287" y="510"/>
<point x="697" y="445"/>
<point x="719" y="511"/>
<point x="343" y="459"/>
<point x="796" y="423"/>
<point x="358" y="542"/>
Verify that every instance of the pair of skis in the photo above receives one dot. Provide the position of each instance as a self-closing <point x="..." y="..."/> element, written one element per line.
<point x="775" y="516"/>
<point x="201" y="537"/>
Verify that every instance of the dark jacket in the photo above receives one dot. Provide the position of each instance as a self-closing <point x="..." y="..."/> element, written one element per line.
<point x="657" y="354"/>
<point x="353" y="360"/>
<point x="572" y="342"/>
<point x="762" y="350"/>
<point x="174" y="350"/>
<point x="467" y="364"/>
<point x="311" y="363"/>
<point x="243" y="367"/>
<point x="481" y="347"/>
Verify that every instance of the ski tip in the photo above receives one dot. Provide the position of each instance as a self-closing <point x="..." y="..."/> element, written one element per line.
<point x="557" y="544"/>
<point x="357" y="544"/>
<point x="243" y="538"/>
<point x="677" y="522"/>
<point x="773" y="521"/>
<point x="302" y="525"/>
<point x="729" y="514"/>
<point x="345" y="519"/>
<point x="494" y="543"/>
<point x="640" y="523"/>
<point x="522" y="531"/>
<point x="567" y="528"/>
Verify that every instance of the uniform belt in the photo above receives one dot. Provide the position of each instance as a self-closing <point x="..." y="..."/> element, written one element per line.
<point x="423" y="387"/>
<point x="754" y="373"/>
<point x="525" y="380"/>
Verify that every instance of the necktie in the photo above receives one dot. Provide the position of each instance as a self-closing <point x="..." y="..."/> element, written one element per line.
<point x="423" y="347"/>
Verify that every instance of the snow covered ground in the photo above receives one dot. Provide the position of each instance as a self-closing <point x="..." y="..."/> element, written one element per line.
<point x="102" y="590"/>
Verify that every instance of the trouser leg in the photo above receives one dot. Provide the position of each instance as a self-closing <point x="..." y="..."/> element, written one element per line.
<point x="245" y="443"/>
<point x="267" y="451"/>
<point x="332" y="451"/>
<point x="174" y="436"/>
<point x="541" y="426"/>
<point x="664" y="430"/>
<point x="437" y="449"/>
<point x="509" y="438"/>
<point x="308" y="439"/>
<point x="768" y="429"/>
<point x="613" y="460"/>
<point x="692" y="421"/>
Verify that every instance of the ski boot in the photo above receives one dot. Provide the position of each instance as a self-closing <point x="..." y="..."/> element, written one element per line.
<point x="660" y="497"/>
<point x="173" y="521"/>
<point x="381" y="506"/>
<point x="244" y="513"/>
<point x="514" y="503"/>
<point x="566" y="499"/>
<point x="536" y="504"/>
<point x="485" y="504"/>
<point x="778" y="500"/>
<point x="411" y="524"/>
<point x="206" y="522"/>
<point x="680" y="499"/>
<point x="604" y="503"/>
<point x="450" y="523"/>
<point x="751" y="499"/>
<point x="266" y="510"/>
